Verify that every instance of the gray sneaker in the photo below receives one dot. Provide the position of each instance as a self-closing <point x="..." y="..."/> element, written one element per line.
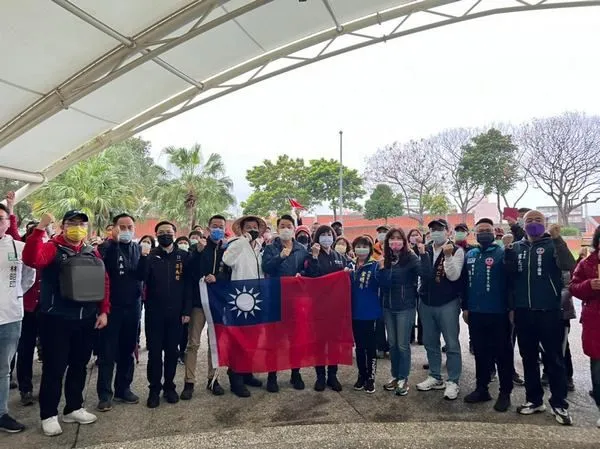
<point x="104" y="406"/>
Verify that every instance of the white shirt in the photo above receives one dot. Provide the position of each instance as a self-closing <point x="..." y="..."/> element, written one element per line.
<point x="244" y="259"/>
<point x="15" y="279"/>
<point x="453" y="265"/>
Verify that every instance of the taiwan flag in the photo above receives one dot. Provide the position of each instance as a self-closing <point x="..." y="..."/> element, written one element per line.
<point x="276" y="324"/>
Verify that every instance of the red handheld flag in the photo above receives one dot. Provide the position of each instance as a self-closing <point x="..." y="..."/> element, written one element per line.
<point x="296" y="204"/>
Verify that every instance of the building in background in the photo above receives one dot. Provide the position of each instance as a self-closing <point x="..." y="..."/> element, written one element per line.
<point x="576" y="217"/>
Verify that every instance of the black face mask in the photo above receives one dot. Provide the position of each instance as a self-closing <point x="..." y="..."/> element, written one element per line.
<point x="302" y="239"/>
<point x="165" y="240"/>
<point x="339" y="231"/>
<point x="485" y="239"/>
<point x="253" y="233"/>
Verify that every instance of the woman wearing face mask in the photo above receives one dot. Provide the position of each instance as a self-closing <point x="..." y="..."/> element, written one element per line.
<point x="183" y="243"/>
<point x="366" y="310"/>
<point x="378" y="247"/>
<point x="303" y="236"/>
<point x="325" y="260"/>
<point x="398" y="274"/>
<point x="343" y="246"/>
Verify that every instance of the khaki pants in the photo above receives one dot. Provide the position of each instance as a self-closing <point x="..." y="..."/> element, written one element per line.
<point x="197" y="322"/>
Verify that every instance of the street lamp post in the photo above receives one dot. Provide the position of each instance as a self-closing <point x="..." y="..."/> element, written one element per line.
<point x="341" y="206"/>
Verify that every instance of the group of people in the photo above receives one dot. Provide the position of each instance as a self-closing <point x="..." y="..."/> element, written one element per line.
<point x="80" y="295"/>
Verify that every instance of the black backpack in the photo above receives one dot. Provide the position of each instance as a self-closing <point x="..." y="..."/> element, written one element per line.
<point x="81" y="275"/>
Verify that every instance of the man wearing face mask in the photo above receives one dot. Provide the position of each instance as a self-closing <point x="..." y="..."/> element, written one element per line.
<point x="485" y="310"/>
<point x="378" y="248"/>
<point x="244" y="256"/>
<point x="117" y="342"/>
<point x="338" y="228"/>
<point x="163" y="272"/>
<point x="303" y="236"/>
<point x="517" y="226"/>
<point x="536" y="265"/>
<point x="461" y="234"/>
<point x="284" y="257"/>
<point x="68" y="325"/>
<point x="206" y="262"/>
<point x="440" y="309"/>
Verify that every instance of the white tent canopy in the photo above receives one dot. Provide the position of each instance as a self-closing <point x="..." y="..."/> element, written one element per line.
<point x="79" y="75"/>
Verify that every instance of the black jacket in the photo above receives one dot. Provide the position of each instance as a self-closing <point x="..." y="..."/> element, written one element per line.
<point x="325" y="263"/>
<point x="121" y="262"/>
<point x="518" y="232"/>
<point x="163" y="275"/>
<point x="276" y="266"/>
<point x="199" y="265"/>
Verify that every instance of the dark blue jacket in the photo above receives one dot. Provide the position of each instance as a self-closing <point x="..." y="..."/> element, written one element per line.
<point x="485" y="281"/>
<point x="325" y="263"/>
<point x="436" y="289"/>
<point x="365" y="292"/>
<point x="276" y="266"/>
<point x="399" y="283"/>
<point x="121" y="262"/>
<point x="537" y="272"/>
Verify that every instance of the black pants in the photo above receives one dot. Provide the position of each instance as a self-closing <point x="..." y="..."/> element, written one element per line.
<point x="382" y="342"/>
<point x="67" y="346"/>
<point x="535" y="328"/>
<point x="566" y="351"/>
<point x="366" y="347"/>
<point x="116" y="344"/>
<point x="183" y="341"/>
<point x="331" y="371"/>
<point x="162" y="335"/>
<point x="25" y="351"/>
<point x="492" y="342"/>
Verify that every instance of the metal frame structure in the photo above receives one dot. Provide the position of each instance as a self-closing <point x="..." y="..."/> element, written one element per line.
<point x="159" y="38"/>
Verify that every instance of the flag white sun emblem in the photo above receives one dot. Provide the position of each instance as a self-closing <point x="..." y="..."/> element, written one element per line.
<point x="245" y="301"/>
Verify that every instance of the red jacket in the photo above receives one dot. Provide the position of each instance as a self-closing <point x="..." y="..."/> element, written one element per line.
<point x="39" y="255"/>
<point x="581" y="287"/>
<point x="13" y="228"/>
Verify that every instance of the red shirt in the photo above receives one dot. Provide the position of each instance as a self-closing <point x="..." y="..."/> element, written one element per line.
<point x="39" y="255"/>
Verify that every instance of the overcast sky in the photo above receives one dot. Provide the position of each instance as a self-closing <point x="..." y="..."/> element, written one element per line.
<point x="498" y="69"/>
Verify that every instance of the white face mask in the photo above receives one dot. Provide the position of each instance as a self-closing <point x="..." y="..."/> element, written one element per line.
<point x="146" y="245"/>
<point x="381" y="237"/>
<point x="286" y="234"/>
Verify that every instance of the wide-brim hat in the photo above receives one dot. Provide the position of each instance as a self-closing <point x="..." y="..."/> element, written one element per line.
<point x="236" y="227"/>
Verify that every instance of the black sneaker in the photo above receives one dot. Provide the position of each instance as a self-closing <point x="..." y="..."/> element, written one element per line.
<point x="252" y="381"/>
<point x="518" y="380"/>
<point x="562" y="416"/>
<point x="272" y="386"/>
<point x="320" y="384"/>
<point x="127" y="398"/>
<point x="10" y="425"/>
<point x="570" y="384"/>
<point x="334" y="383"/>
<point x="240" y="391"/>
<point x="188" y="391"/>
<point x="297" y="382"/>
<point x="502" y="403"/>
<point x="215" y="388"/>
<point x="153" y="400"/>
<point x="171" y="396"/>
<point x="370" y="386"/>
<point x="426" y="366"/>
<point x="26" y="398"/>
<point x="478" y="396"/>
<point x="529" y="408"/>
<point x="360" y="384"/>
<point x="104" y="406"/>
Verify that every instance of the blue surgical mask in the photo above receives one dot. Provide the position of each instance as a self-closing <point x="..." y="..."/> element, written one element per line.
<point x="217" y="234"/>
<point x="326" y="241"/>
<point x="125" y="236"/>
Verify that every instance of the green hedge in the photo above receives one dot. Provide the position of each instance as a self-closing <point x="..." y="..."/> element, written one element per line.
<point x="570" y="232"/>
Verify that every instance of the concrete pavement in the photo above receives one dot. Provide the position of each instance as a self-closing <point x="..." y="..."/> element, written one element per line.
<point x="322" y="420"/>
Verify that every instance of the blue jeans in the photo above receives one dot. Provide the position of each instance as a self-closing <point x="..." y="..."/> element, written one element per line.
<point x="9" y="339"/>
<point x="399" y="326"/>
<point x="438" y="321"/>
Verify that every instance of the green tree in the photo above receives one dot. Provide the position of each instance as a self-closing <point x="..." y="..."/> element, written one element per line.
<point x="324" y="184"/>
<point x="96" y="186"/>
<point x="491" y="160"/>
<point x="384" y="203"/>
<point x="436" y="204"/>
<point x="195" y="189"/>
<point x="274" y="183"/>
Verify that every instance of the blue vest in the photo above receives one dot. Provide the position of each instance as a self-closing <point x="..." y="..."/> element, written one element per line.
<point x="486" y="288"/>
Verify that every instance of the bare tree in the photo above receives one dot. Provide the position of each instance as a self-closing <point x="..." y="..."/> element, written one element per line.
<point x="449" y="144"/>
<point x="411" y="167"/>
<point x="562" y="158"/>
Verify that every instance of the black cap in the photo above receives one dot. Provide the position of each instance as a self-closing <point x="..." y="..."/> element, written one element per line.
<point x="382" y="227"/>
<point x="72" y="214"/>
<point x="337" y="223"/>
<point x="461" y="226"/>
<point x="486" y="221"/>
<point x="438" y="222"/>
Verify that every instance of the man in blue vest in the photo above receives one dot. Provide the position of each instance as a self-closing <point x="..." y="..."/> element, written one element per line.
<point x="439" y="310"/>
<point x="537" y="263"/>
<point x="485" y="310"/>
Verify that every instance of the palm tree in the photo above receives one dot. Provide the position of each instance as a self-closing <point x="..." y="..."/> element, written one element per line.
<point x="197" y="188"/>
<point x="95" y="186"/>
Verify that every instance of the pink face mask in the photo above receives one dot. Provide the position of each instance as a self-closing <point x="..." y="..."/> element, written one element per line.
<point x="396" y="245"/>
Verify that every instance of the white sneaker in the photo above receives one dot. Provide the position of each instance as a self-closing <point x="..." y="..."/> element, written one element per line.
<point x="452" y="390"/>
<point x="431" y="383"/>
<point x="51" y="427"/>
<point x="81" y="416"/>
